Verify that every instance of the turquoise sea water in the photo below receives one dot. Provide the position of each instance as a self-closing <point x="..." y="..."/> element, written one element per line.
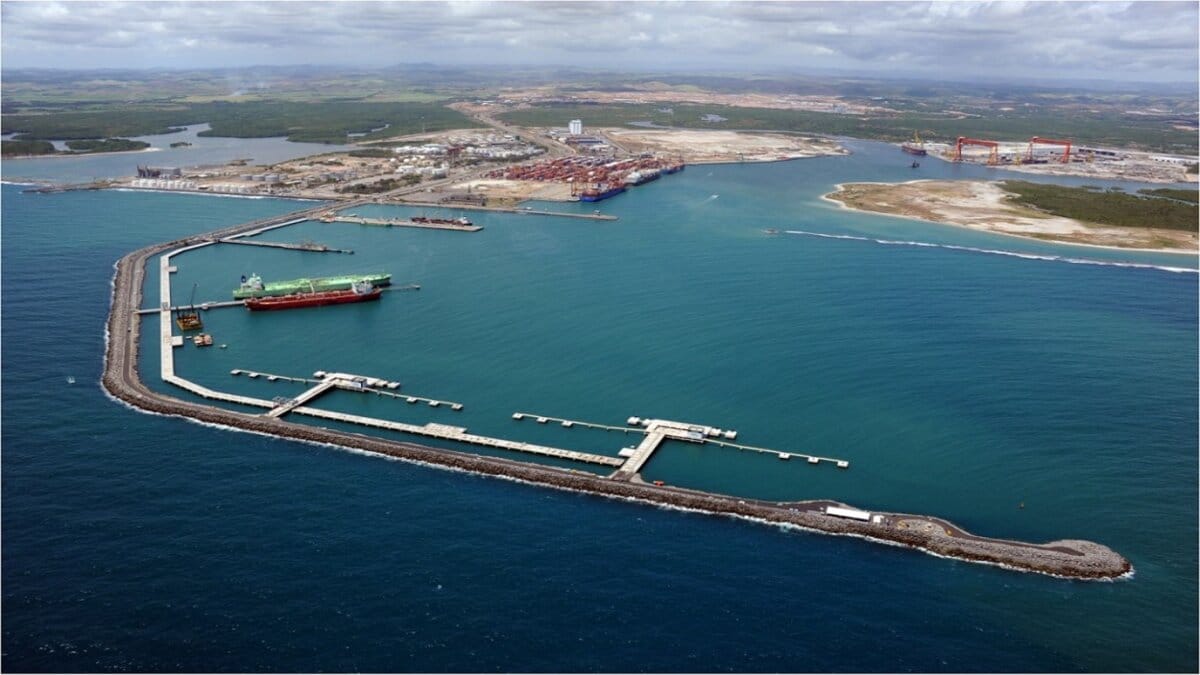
<point x="958" y="382"/>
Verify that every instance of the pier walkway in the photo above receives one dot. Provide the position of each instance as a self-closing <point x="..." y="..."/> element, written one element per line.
<point x="641" y="455"/>
<point x="311" y="248"/>
<point x="459" y="434"/>
<point x="506" y="209"/>
<point x="628" y="465"/>
<point x="397" y="222"/>
<point x="657" y="431"/>
<point x="329" y="381"/>
<point x="308" y="395"/>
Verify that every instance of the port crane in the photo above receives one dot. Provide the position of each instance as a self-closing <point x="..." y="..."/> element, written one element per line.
<point x="1066" y="156"/>
<point x="189" y="320"/>
<point x="993" y="156"/>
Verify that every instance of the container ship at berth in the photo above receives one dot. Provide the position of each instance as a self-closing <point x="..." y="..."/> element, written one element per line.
<point x="595" y="194"/>
<point x="253" y="287"/>
<point x="643" y="176"/>
<point x="358" y="292"/>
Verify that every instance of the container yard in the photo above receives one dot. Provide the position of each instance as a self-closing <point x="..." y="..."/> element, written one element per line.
<point x="593" y="178"/>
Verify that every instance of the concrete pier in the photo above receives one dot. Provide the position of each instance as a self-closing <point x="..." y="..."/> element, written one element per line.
<point x="460" y="435"/>
<point x="305" y="397"/>
<point x="633" y="465"/>
<point x="396" y="222"/>
<point x="121" y="378"/>
<point x="507" y="209"/>
<point x="312" y="248"/>
<point x="658" y="431"/>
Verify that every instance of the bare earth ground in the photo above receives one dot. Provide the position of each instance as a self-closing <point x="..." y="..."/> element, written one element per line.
<point x="707" y="147"/>
<point x="1133" y="166"/>
<point x="1143" y="170"/>
<point x="984" y="206"/>
<point x="651" y="92"/>
<point x="500" y="191"/>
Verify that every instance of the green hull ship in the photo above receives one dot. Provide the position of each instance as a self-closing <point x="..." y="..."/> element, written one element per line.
<point x="255" y="288"/>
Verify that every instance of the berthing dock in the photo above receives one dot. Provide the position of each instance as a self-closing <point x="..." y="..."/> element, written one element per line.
<point x="1066" y="558"/>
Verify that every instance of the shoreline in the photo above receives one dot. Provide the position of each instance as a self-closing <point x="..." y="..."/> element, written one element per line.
<point x="76" y="155"/>
<point x="839" y="187"/>
<point x="1063" y="558"/>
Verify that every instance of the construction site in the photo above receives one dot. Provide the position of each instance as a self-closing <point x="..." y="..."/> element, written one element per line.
<point x="1060" y="157"/>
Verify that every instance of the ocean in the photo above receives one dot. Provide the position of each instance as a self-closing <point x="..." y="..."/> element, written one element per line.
<point x="1019" y="388"/>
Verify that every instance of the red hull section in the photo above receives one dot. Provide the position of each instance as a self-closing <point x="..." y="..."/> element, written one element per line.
<point x="311" y="299"/>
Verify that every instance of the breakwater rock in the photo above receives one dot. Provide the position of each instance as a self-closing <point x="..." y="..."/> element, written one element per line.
<point x="1066" y="558"/>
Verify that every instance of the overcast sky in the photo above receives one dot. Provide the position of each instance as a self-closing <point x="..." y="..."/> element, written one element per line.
<point x="1131" y="41"/>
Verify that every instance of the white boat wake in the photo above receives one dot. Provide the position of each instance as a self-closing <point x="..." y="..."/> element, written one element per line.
<point x="990" y="251"/>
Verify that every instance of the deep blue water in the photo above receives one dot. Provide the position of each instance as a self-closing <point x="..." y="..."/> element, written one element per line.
<point x="958" y="383"/>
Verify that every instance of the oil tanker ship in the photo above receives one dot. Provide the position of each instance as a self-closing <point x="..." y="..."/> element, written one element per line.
<point x="253" y="287"/>
<point x="358" y="292"/>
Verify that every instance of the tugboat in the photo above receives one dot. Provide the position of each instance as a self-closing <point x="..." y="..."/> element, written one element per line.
<point x="360" y="291"/>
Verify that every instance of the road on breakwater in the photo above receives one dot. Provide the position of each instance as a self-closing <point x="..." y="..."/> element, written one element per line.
<point x="1065" y="558"/>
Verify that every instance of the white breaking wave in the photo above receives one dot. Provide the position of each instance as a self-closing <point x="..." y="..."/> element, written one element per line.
<point x="991" y="251"/>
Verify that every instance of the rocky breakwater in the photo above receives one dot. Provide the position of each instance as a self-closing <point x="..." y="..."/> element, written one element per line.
<point x="1068" y="558"/>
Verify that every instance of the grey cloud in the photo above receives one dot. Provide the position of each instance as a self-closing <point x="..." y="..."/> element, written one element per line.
<point x="1065" y="38"/>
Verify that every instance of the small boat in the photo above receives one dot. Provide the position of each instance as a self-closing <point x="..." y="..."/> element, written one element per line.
<point x="360" y="291"/>
<point x="202" y="340"/>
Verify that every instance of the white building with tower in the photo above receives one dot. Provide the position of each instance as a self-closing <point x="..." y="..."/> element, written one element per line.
<point x="575" y="127"/>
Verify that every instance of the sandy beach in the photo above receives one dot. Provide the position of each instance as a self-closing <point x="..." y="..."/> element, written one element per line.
<point x="984" y="205"/>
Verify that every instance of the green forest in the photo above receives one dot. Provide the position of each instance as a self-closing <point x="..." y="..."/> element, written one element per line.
<point x="1111" y="207"/>
<point x="1098" y="129"/>
<point x="17" y="148"/>
<point x="319" y="122"/>
<point x="106" y="145"/>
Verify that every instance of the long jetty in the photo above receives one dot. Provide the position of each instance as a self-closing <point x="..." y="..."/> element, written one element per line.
<point x="399" y="222"/>
<point x="505" y="209"/>
<point x="311" y="248"/>
<point x="1066" y="558"/>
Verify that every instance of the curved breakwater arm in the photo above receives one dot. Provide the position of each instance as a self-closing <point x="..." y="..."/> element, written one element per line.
<point x="1068" y="558"/>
